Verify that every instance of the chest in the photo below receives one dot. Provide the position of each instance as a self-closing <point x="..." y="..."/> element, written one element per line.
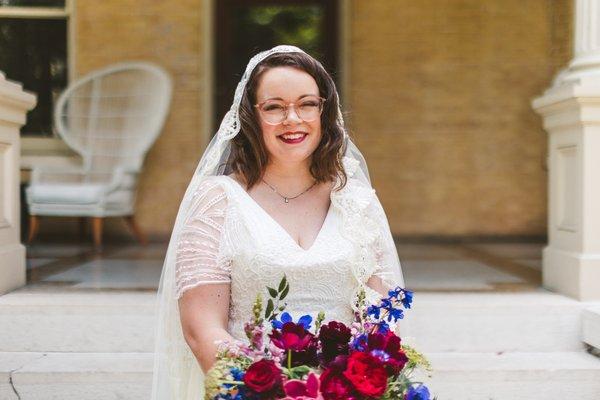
<point x="301" y="222"/>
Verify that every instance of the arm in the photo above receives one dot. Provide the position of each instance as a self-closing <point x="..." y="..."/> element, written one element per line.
<point x="388" y="272"/>
<point x="203" y="270"/>
<point x="376" y="283"/>
<point x="204" y="315"/>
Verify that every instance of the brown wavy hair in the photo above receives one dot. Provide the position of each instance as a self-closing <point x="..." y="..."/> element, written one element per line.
<point x="249" y="155"/>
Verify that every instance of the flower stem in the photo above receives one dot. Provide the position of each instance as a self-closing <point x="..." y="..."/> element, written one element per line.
<point x="289" y="359"/>
<point x="231" y="382"/>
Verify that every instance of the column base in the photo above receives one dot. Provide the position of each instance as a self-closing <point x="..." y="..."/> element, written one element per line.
<point x="12" y="267"/>
<point x="573" y="274"/>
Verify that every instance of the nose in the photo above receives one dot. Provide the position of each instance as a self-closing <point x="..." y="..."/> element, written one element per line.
<point x="291" y="110"/>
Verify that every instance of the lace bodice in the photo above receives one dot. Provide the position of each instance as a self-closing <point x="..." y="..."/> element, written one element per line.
<point x="229" y="237"/>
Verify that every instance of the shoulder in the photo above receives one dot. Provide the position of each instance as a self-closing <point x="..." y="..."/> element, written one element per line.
<point x="210" y="193"/>
<point x="211" y="186"/>
<point x="356" y="194"/>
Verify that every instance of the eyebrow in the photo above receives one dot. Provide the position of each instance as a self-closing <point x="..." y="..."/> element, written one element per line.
<point x="301" y="97"/>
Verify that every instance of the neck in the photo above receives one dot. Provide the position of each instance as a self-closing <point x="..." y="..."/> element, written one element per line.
<point x="289" y="177"/>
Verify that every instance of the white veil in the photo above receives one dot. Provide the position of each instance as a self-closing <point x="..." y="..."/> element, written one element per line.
<point x="177" y="374"/>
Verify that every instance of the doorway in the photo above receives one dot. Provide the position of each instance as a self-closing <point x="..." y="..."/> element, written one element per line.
<point x="244" y="28"/>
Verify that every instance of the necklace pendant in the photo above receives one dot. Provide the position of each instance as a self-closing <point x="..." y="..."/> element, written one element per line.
<point x="286" y="199"/>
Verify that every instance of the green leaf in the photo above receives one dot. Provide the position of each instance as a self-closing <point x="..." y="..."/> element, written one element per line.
<point x="285" y="291"/>
<point x="272" y="292"/>
<point x="282" y="284"/>
<point x="269" y="309"/>
<point x="302" y="369"/>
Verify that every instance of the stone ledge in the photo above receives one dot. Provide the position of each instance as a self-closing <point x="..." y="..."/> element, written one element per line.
<point x="76" y="375"/>
<point x="517" y="376"/>
<point x="591" y="326"/>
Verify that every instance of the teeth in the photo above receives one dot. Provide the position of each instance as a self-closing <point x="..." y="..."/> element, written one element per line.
<point x="293" y="136"/>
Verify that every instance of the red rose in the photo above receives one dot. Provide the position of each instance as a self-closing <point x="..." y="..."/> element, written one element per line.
<point x="263" y="376"/>
<point x="367" y="374"/>
<point x="335" y="386"/>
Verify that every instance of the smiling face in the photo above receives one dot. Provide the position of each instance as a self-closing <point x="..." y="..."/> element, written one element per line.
<point x="288" y="84"/>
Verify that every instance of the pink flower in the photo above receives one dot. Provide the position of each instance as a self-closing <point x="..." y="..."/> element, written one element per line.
<point x="300" y="390"/>
<point x="255" y="334"/>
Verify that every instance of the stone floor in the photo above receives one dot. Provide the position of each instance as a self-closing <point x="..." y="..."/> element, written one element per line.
<point x="472" y="267"/>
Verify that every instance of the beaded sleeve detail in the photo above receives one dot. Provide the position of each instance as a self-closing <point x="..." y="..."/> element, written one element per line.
<point x="200" y="254"/>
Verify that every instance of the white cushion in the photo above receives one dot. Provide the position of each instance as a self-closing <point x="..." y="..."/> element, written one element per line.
<point x="85" y="193"/>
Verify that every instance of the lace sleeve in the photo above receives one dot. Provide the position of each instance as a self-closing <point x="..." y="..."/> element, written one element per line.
<point x="200" y="258"/>
<point x="388" y="267"/>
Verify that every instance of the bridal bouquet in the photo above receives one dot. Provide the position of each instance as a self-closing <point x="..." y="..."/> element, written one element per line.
<point x="286" y="359"/>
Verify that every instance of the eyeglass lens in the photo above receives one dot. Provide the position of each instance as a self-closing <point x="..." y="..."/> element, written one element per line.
<point x="307" y="109"/>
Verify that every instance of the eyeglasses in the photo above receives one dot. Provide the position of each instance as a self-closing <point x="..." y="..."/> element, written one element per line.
<point x="274" y="112"/>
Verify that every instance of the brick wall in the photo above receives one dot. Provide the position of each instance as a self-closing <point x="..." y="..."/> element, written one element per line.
<point x="440" y="99"/>
<point x="439" y="104"/>
<point x="170" y="34"/>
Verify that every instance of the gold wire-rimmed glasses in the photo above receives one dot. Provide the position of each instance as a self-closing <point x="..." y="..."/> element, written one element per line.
<point x="274" y="112"/>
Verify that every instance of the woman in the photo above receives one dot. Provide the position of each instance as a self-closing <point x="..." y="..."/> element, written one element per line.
<point x="281" y="189"/>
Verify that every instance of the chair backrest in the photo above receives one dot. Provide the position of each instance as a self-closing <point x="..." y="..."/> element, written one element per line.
<point x="112" y="116"/>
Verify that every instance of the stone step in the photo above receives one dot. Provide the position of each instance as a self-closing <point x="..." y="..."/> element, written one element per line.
<point x="439" y="322"/>
<point x="512" y="376"/>
<point x="591" y="326"/>
<point x="47" y="376"/>
<point x="460" y="376"/>
<point x="492" y="322"/>
<point x="75" y="321"/>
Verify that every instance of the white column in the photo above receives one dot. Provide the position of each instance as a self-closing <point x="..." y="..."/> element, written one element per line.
<point x="14" y="104"/>
<point x="587" y="41"/>
<point x="570" y="109"/>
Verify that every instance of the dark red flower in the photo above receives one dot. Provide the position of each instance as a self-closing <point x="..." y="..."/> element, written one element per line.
<point x="334" y="338"/>
<point x="367" y="374"/>
<point x="292" y="336"/>
<point x="335" y="386"/>
<point x="263" y="376"/>
<point x="295" y="338"/>
<point x="389" y="343"/>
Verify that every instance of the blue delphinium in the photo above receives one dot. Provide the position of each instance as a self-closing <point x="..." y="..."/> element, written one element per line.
<point x="237" y="373"/>
<point x="360" y="343"/>
<point x="419" y="393"/>
<point x="374" y="311"/>
<point x="304" y="320"/>
<point x="408" y="296"/>
<point x="387" y="304"/>
<point x="233" y="391"/>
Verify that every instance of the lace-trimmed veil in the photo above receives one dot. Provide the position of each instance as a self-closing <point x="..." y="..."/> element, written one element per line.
<point x="176" y="372"/>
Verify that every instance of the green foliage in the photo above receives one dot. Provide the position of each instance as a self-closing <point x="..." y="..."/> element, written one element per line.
<point x="274" y="306"/>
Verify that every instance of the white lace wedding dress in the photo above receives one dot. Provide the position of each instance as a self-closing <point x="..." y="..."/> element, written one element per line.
<point x="228" y="237"/>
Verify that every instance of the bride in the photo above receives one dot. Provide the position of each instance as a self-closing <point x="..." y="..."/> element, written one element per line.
<point x="280" y="189"/>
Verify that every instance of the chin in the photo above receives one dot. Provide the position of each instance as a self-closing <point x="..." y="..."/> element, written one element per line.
<point x="293" y="153"/>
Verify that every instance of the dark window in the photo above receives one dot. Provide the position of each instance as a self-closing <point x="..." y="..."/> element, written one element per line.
<point x="33" y="51"/>
<point x="32" y="3"/>
<point x="246" y="27"/>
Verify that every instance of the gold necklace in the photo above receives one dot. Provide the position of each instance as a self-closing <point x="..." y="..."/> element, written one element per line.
<point x="286" y="198"/>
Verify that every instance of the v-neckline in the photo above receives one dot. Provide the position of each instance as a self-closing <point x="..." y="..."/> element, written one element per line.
<point x="278" y="225"/>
